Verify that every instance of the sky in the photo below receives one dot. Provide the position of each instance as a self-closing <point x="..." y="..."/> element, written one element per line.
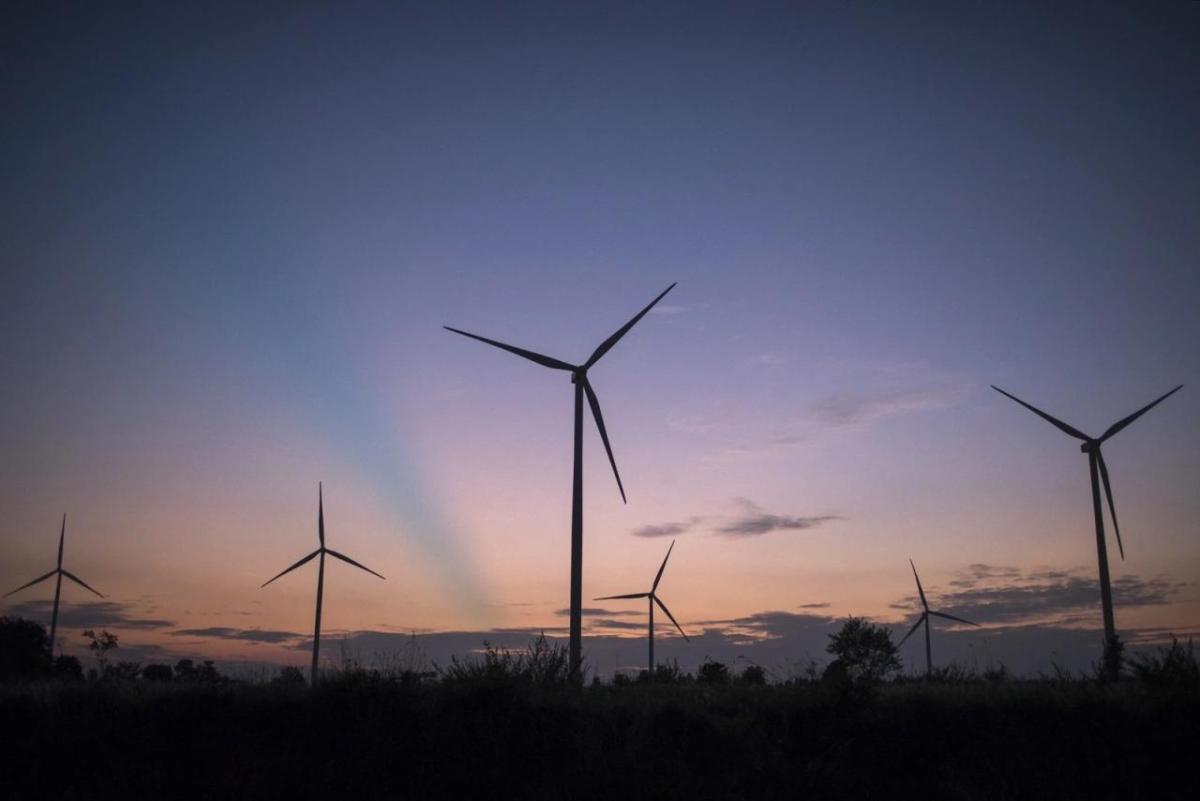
<point x="233" y="235"/>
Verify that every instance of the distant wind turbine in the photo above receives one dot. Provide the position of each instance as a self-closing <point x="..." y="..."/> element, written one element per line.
<point x="652" y="599"/>
<point x="57" y="571"/>
<point x="321" y="551"/>
<point x="1091" y="446"/>
<point x="582" y="385"/>
<point x="924" y="618"/>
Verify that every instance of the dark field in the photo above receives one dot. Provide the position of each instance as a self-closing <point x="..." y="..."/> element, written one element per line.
<point x="362" y="736"/>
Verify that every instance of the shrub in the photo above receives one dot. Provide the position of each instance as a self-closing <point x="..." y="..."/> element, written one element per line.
<point x="543" y="663"/>
<point x="289" y="677"/>
<point x="24" y="650"/>
<point x="753" y="675"/>
<point x="1170" y="667"/>
<point x="866" y="651"/>
<point x="712" y="673"/>
<point x="155" y="672"/>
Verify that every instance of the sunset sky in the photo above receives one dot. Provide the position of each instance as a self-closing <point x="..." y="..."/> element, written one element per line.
<point x="231" y="240"/>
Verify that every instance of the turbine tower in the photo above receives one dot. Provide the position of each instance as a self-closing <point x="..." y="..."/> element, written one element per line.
<point x="924" y="618"/>
<point x="59" y="572"/>
<point x="321" y="551"/>
<point x="652" y="599"/>
<point x="582" y="386"/>
<point x="1091" y="446"/>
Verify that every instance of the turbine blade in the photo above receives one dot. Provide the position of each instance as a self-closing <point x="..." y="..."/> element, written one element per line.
<point x="952" y="617"/>
<point x="320" y="514"/>
<point x="1112" y="509"/>
<point x="30" y="584"/>
<point x="662" y="567"/>
<point x="79" y="581"/>
<point x="607" y="344"/>
<point x="594" y="402"/>
<point x="920" y="620"/>
<point x="1059" y="424"/>
<point x="663" y="607"/>
<point x="348" y="560"/>
<point x="545" y="361"/>
<point x="62" y="534"/>
<point x="293" y="567"/>
<point x="1120" y="424"/>
<point x="924" y="603"/>
<point x="622" y="597"/>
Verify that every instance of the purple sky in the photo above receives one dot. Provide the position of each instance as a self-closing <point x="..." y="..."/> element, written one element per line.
<point x="232" y="238"/>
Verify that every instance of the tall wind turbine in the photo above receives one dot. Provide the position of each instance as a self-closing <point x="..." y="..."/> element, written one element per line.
<point x="582" y="385"/>
<point x="321" y="551"/>
<point x="652" y="599"/>
<point x="1091" y="446"/>
<point x="59" y="572"/>
<point x="924" y="618"/>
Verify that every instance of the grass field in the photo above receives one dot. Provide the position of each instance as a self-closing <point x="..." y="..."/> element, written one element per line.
<point x="504" y="733"/>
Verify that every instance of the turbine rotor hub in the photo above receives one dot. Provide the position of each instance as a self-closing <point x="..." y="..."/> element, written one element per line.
<point x="1089" y="446"/>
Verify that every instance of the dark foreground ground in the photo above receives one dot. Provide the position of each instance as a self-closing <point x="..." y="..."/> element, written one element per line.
<point x="360" y="737"/>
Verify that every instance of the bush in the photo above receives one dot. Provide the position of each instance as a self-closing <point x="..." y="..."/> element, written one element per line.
<point x="24" y="650"/>
<point x="155" y="672"/>
<point x="68" y="668"/>
<point x="712" y="673"/>
<point x="865" y="651"/>
<point x="753" y="675"/>
<point x="543" y="663"/>
<point x="1170" y="667"/>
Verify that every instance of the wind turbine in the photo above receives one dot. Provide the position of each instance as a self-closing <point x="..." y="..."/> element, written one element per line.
<point x="924" y="618"/>
<point x="57" y="571"/>
<point x="1091" y="446"/>
<point x="582" y="385"/>
<point x="321" y="551"/>
<point x="652" y="599"/>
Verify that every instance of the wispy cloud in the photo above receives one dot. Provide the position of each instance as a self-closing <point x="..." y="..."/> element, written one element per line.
<point x="668" y="529"/>
<point x="756" y="521"/>
<point x="246" y="635"/>
<point x="988" y="594"/>
<point x="92" y="614"/>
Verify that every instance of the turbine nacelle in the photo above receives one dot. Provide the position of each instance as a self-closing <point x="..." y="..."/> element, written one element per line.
<point x="1090" y="446"/>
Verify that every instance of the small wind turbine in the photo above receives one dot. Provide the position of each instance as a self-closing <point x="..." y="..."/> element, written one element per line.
<point x="1091" y="446"/>
<point x="652" y="599"/>
<point x="57" y="571"/>
<point x="582" y="385"/>
<point x="924" y="618"/>
<point x="321" y="551"/>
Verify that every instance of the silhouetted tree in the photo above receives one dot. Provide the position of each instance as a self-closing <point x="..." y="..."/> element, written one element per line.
<point x="712" y="673"/>
<point x="156" y="672"/>
<point x="204" y="673"/>
<point x="100" y="645"/>
<point x="24" y="650"/>
<point x="863" y="651"/>
<point x="753" y="675"/>
<point x="289" y="677"/>
<point x="68" y="668"/>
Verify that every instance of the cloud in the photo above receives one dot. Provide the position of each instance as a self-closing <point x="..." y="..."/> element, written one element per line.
<point x="668" y="529"/>
<point x="813" y="606"/>
<point x="1007" y="596"/>
<point x="860" y="409"/>
<point x="247" y="635"/>
<point x="88" y="615"/>
<point x="755" y="522"/>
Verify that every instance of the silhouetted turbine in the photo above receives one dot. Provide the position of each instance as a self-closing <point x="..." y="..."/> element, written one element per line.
<point x="924" y="618"/>
<point x="652" y="599"/>
<point x="57" y="571"/>
<point x="321" y="551"/>
<point x="582" y="385"/>
<point x="1091" y="446"/>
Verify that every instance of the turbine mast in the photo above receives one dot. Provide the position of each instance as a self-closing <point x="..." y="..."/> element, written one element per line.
<point x="1110" y="629"/>
<point x="575" y="651"/>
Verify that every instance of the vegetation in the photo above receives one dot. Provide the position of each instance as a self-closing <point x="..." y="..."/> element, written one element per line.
<point x="512" y="724"/>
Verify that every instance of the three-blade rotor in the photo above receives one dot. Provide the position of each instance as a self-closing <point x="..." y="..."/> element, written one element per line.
<point x="653" y="594"/>
<point x="58" y="570"/>
<point x="322" y="549"/>
<point x="924" y="618"/>
<point x="1091" y="445"/>
<point x="579" y="373"/>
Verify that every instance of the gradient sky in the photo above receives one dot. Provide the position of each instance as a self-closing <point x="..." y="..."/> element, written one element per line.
<point x="231" y="239"/>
